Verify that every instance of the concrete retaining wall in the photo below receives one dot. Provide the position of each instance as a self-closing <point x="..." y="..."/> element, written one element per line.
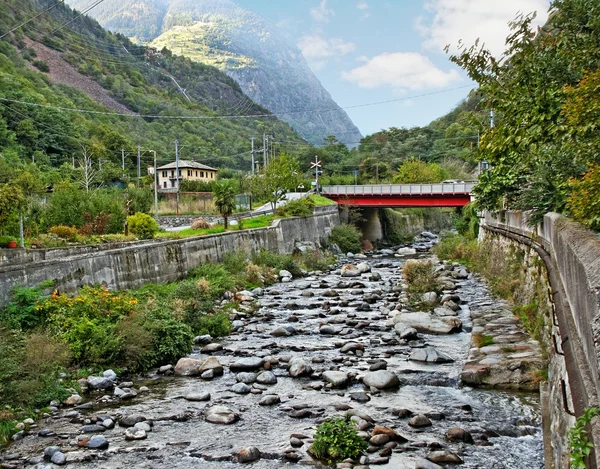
<point x="130" y="265"/>
<point x="571" y="254"/>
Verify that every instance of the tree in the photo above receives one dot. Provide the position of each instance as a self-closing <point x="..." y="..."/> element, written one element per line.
<point x="415" y="171"/>
<point x="88" y="174"/>
<point x="281" y="176"/>
<point x="12" y="200"/>
<point x="224" y="199"/>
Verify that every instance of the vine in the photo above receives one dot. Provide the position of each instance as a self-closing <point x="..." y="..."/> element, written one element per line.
<point x="580" y="445"/>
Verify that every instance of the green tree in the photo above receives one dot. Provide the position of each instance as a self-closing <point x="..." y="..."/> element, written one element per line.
<point x="224" y="199"/>
<point x="281" y="176"/>
<point x="415" y="171"/>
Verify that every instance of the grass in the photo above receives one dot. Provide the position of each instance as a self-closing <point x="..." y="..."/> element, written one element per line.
<point x="320" y="200"/>
<point x="257" y="222"/>
<point x="189" y="233"/>
<point x="482" y="340"/>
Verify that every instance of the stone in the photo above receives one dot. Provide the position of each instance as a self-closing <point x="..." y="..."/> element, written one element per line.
<point x="202" y="339"/>
<point x="378" y="365"/>
<point x="393" y="436"/>
<point x="299" y="367"/>
<point x="50" y="450"/>
<point x="281" y="332"/>
<point x="363" y="268"/>
<point x="59" y="458"/>
<point x="245" y="377"/>
<point x="143" y="426"/>
<point x="249" y="454"/>
<point x="419" y="421"/>
<point x="247" y="364"/>
<point x="381" y="379"/>
<point x="337" y="379"/>
<point x="350" y="270"/>
<point x="241" y="388"/>
<point x="379" y="440"/>
<point x="459" y="434"/>
<point x="425" y="464"/>
<point x="430" y="297"/>
<point x="99" y="382"/>
<point x="131" y="419"/>
<point x="430" y="355"/>
<point x="97" y="442"/>
<point x="266" y="377"/>
<point x="212" y="348"/>
<point x="405" y="331"/>
<point x="360" y="396"/>
<point x="221" y="415"/>
<point x="212" y="363"/>
<point x="75" y="399"/>
<point x="108" y="423"/>
<point x="328" y="330"/>
<point x="110" y="374"/>
<point x="444" y="456"/>
<point x="269" y="399"/>
<point x="428" y="324"/>
<point x="197" y="396"/>
<point x="285" y="274"/>
<point x="165" y="369"/>
<point x="93" y="428"/>
<point x="352" y="347"/>
<point x="135" y="434"/>
<point x="188" y="367"/>
<point x="406" y="251"/>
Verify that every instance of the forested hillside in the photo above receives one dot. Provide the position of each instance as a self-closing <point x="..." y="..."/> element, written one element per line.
<point x="37" y="121"/>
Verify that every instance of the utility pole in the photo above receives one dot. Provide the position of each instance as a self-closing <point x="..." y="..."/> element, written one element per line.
<point x="123" y="160"/>
<point x="139" y="165"/>
<point x="177" y="174"/>
<point x="316" y="165"/>
<point x="100" y="164"/>
<point x="492" y="119"/>
<point x="377" y="173"/>
<point x="73" y="157"/>
<point x="155" y="188"/>
<point x="264" y="151"/>
<point x="252" y="140"/>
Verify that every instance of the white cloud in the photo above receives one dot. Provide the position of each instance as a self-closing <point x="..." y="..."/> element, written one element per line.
<point x="452" y="20"/>
<point x="363" y="6"/>
<point x="401" y="71"/>
<point x="317" y="49"/>
<point x="322" y="13"/>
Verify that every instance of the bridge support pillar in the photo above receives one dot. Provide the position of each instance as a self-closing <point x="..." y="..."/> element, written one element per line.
<point x="371" y="226"/>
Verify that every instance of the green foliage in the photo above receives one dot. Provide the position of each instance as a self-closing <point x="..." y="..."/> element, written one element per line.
<point x="21" y="313"/>
<point x="142" y="225"/>
<point x="281" y="176"/>
<point x="583" y="201"/>
<point x="347" y="237"/>
<point x="482" y="340"/>
<point x="467" y="223"/>
<point x="396" y="226"/>
<point x="316" y="260"/>
<point x="68" y="233"/>
<point x="188" y="185"/>
<point x="303" y="207"/>
<point x="420" y="278"/>
<point x="138" y="200"/>
<point x="217" y="325"/>
<point x="41" y="66"/>
<point x="415" y="171"/>
<point x="224" y="199"/>
<point x="336" y="439"/>
<point x="277" y="261"/>
<point x="580" y="445"/>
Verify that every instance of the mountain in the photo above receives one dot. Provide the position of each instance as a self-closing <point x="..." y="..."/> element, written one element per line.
<point x="269" y="67"/>
<point x="59" y="62"/>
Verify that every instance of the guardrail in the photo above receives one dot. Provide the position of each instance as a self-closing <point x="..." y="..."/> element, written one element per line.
<point x="399" y="189"/>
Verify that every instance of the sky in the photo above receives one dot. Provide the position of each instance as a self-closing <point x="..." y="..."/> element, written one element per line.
<point x="367" y="51"/>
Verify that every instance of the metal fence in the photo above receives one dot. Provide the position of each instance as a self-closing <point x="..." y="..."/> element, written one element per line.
<point x="399" y="189"/>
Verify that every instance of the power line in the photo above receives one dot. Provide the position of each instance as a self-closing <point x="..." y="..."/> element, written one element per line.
<point x="31" y="19"/>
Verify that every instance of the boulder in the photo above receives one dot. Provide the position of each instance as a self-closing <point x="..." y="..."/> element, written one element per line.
<point x="188" y="367"/>
<point x="350" y="270"/>
<point x="363" y="267"/>
<point x="250" y="454"/>
<point x="212" y="363"/>
<point x="266" y="377"/>
<point x="337" y="379"/>
<point x="429" y="355"/>
<point x="444" y="456"/>
<point x="420" y="421"/>
<point x="247" y="364"/>
<point x="381" y="379"/>
<point x="197" y="396"/>
<point x="426" y="323"/>
<point x="299" y="367"/>
<point x="405" y="331"/>
<point x="221" y="415"/>
<point x="100" y="382"/>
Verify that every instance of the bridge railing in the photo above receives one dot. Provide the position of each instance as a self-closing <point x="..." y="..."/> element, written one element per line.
<point x="399" y="189"/>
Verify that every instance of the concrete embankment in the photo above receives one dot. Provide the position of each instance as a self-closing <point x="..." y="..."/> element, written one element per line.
<point x="130" y="265"/>
<point x="569" y="256"/>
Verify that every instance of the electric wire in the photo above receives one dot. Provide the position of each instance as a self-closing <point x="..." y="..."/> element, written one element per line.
<point x="31" y="19"/>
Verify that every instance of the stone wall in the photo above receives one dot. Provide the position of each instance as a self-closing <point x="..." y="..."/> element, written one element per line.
<point x="571" y="255"/>
<point x="130" y="265"/>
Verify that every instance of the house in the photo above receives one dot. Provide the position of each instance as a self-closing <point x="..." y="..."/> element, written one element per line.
<point x="189" y="170"/>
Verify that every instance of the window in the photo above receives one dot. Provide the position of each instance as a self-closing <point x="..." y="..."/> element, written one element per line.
<point x="189" y="173"/>
<point x="172" y="173"/>
<point x="201" y="174"/>
<point x="212" y="175"/>
<point x="179" y="174"/>
<point x="196" y="173"/>
<point x="165" y="183"/>
<point x="164" y="174"/>
<point x="172" y="183"/>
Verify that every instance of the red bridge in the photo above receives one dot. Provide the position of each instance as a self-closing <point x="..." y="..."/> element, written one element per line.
<point x="402" y="195"/>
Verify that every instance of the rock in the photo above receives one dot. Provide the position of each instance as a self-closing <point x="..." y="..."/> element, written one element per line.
<point x="285" y="274"/>
<point x="197" y="396"/>
<point x="212" y="348"/>
<point x="429" y="235"/>
<point x="350" y="270"/>
<point x="131" y="420"/>
<point x="430" y="297"/>
<point x="424" y="464"/>
<point x="299" y="367"/>
<point x="108" y="424"/>
<point x="135" y="434"/>
<point x="360" y="396"/>
<point x="50" y="450"/>
<point x="245" y="377"/>
<point x="379" y="440"/>
<point x="393" y="436"/>
<point x="429" y="355"/>
<point x="237" y="324"/>
<point x="281" y="332"/>
<point x="59" y="458"/>
<point x="100" y="382"/>
<point x="188" y="367"/>
<point x="247" y="364"/>
<point x="378" y="365"/>
<point x="249" y="454"/>
<point x="405" y="331"/>
<point x="337" y="379"/>
<point x="266" y="377"/>
<point x="429" y="324"/>
<point x="352" y="347"/>
<point x="202" y="339"/>
<point x="459" y="434"/>
<point x="419" y="421"/>
<point x="208" y="374"/>
<point x="270" y="399"/>
<point x="110" y="374"/>
<point x="406" y="251"/>
<point x="93" y="428"/>
<point x="444" y="456"/>
<point x="221" y="415"/>
<point x="75" y="399"/>
<point x="363" y="267"/>
<point x="381" y="379"/>
<point x="328" y="330"/>
<point x="143" y="426"/>
<point x="165" y="369"/>
<point x="212" y="363"/>
<point x="241" y="388"/>
<point x="97" y="442"/>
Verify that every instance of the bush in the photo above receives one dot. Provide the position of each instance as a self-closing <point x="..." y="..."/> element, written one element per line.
<point x="277" y="261"/>
<point x="68" y="233"/>
<point x="583" y="201"/>
<point x="317" y="260"/>
<point x="347" y="237"/>
<point x="200" y="224"/>
<point x="22" y="312"/>
<point x="419" y="276"/>
<point x="217" y="325"/>
<point x="142" y="225"/>
<point x="336" y="439"/>
<point x="41" y="66"/>
<point x="139" y="200"/>
<point x="235" y="262"/>
<point x="303" y="207"/>
<point x="4" y="241"/>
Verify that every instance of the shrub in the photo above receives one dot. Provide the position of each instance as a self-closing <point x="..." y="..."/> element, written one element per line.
<point x="336" y="439"/>
<point x="277" y="261"/>
<point x="22" y="312"/>
<point x="41" y="66"/>
<point x="583" y="201"/>
<point x="347" y="237"/>
<point x="419" y="276"/>
<point x="142" y="225"/>
<point x="235" y="262"/>
<point x="217" y="325"/>
<point x="317" y="260"/>
<point x="171" y="339"/>
<point x="68" y="233"/>
<point x="4" y="241"/>
<point x="303" y="207"/>
<point x="200" y="224"/>
<point x="139" y="200"/>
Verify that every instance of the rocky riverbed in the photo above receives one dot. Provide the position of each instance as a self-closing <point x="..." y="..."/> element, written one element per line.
<point x="344" y="342"/>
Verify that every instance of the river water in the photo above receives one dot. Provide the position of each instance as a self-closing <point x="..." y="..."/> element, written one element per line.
<point x="506" y="426"/>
